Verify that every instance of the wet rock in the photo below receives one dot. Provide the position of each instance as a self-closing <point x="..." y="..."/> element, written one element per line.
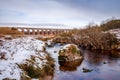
<point x="1" y="41"/>
<point x="61" y="44"/>
<point x="2" y="55"/>
<point x="86" y="70"/>
<point x="104" y="62"/>
<point x="8" y="79"/>
<point x="8" y="37"/>
<point x="1" y="44"/>
<point x="50" y="43"/>
<point x="55" y="51"/>
<point x="69" y="52"/>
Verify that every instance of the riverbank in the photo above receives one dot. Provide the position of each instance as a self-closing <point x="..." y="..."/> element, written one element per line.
<point x="24" y="59"/>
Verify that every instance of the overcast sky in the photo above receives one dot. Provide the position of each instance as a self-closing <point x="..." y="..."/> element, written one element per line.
<point x="77" y="13"/>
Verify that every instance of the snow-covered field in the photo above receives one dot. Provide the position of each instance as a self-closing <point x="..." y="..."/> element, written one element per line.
<point x="17" y="51"/>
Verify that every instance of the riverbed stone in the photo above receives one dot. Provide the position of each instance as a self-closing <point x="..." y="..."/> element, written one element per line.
<point x="85" y="70"/>
<point x="69" y="52"/>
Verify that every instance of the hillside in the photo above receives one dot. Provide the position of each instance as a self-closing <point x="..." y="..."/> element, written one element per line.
<point x="111" y="24"/>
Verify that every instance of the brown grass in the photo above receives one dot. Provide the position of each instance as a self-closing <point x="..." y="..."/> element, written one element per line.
<point x="9" y="31"/>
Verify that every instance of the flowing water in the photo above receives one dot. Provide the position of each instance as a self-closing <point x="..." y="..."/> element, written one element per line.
<point x="104" y="66"/>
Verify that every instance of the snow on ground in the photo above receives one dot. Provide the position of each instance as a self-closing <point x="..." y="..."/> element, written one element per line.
<point x="115" y="31"/>
<point x="68" y="45"/>
<point x="17" y="51"/>
<point x="53" y="51"/>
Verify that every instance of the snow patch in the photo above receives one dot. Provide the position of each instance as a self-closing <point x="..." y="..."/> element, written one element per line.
<point x="15" y="52"/>
<point x="68" y="45"/>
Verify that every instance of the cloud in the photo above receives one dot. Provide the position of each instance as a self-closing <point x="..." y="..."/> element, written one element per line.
<point x="70" y="12"/>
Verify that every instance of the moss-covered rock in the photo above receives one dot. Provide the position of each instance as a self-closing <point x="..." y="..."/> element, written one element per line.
<point x="69" y="52"/>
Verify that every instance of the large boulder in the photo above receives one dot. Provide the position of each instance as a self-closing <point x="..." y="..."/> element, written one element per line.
<point x="69" y="52"/>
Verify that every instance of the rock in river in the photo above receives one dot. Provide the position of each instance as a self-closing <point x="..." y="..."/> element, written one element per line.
<point x="86" y="70"/>
<point x="69" y="52"/>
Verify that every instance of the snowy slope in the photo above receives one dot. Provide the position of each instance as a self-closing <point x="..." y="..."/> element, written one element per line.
<point x="15" y="52"/>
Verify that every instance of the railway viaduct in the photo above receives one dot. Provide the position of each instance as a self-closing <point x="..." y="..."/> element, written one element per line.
<point x="41" y="31"/>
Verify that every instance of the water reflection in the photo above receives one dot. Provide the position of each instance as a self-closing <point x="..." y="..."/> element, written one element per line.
<point x="105" y="66"/>
<point x="69" y="66"/>
<point x="112" y="54"/>
<point x="98" y="58"/>
<point x="94" y="59"/>
<point x="47" y="77"/>
<point x="115" y="54"/>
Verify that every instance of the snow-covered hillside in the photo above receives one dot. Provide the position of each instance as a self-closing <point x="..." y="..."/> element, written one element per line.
<point x="20" y="51"/>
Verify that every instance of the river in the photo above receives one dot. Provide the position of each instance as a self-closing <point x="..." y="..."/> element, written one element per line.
<point x="104" y="66"/>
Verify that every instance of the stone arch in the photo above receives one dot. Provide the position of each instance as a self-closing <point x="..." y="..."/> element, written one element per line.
<point x="36" y="33"/>
<point x="25" y="31"/>
<point x="31" y="31"/>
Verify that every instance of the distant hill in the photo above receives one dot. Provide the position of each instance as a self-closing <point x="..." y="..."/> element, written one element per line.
<point x="112" y="24"/>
